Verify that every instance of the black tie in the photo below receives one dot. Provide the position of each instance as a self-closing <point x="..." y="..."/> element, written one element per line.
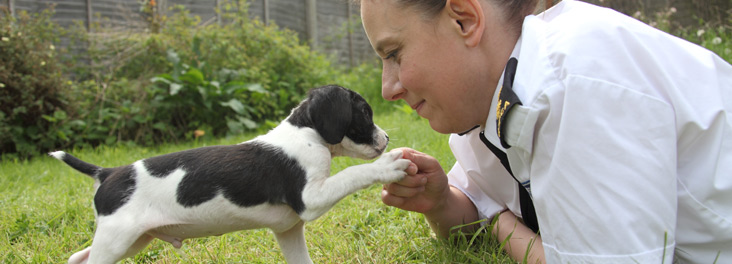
<point x="506" y="100"/>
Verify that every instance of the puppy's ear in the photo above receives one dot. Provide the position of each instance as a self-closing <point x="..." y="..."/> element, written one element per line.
<point x="330" y="111"/>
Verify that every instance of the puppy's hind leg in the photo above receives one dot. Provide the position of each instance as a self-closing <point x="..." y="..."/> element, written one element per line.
<point x="292" y="244"/>
<point x="138" y="246"/>
<point x="80" y="257"/>
<point x="115" y="240"/>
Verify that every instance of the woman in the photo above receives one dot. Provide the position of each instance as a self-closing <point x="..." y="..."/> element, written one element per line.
<point x="612" y="138"/>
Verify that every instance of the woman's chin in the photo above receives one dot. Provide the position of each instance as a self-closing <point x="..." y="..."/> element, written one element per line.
<point x="447" y="128"/>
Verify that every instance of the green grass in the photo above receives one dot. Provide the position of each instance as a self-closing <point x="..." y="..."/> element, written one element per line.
<point x="46" y="214"/>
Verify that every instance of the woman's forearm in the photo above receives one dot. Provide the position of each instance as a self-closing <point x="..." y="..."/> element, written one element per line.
<point x="455" y="210"/>
<point x="521" y="239"/>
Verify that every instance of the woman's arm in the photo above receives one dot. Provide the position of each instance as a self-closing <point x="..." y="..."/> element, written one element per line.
<point x="521" y="239"/>
<point x="425" y="190"/>
<point x="454" y="210"/>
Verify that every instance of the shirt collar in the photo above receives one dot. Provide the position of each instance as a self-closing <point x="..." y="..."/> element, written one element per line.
<point x="490" y="123"/>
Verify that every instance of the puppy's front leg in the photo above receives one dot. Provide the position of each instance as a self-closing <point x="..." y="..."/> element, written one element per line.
<point x="319" y="196"/>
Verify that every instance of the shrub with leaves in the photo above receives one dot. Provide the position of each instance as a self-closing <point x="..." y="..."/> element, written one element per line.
<point x="230" y="77"/>
<point x="32" y="109"/>
<point x="186" y="100"/>
<point x="149" y="86"/>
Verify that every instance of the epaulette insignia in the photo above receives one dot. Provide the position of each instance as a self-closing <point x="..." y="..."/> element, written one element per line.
<point x="506" y="100"/>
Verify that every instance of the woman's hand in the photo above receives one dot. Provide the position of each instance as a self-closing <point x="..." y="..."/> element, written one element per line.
<point x="423" y="189"/>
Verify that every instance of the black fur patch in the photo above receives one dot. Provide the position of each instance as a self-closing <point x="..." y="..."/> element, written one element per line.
<point x="80" y="165"/>
<point x="247" y="174"/>
<point x="117" y="186"/>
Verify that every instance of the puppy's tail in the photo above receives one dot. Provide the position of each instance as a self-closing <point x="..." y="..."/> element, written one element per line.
<point x="77" y="164"/>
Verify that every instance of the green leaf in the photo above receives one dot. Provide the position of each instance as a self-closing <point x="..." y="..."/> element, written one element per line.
<point x="49" y="118"/>
<point x="193" y="76"/>
<point x="257" y="88"/>
<point x="175" y="88"/>
<point x="60" y="115"/>
<point x="139" y="119"/>
<point x="234" y="126"/>
<point x="202" y="90"/>
<point x="160" y="126"/>
<point x="216" y="85"/>
<point x="247" y="122"/>
<point x="62" y="135"/>
<point x="77" y="123"/>
<point x="234" y="87"/>
<point x="164" y="78"/>
<point x="173" y="57"/>
<point x="235" y="105"/>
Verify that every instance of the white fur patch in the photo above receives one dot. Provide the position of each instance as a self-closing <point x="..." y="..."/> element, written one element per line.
<point x="59" y="155"/>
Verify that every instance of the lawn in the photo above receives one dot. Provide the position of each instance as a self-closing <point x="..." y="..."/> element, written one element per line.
<point x="46" y="214"/>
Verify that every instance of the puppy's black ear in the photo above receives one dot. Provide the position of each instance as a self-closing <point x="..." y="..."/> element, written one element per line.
<point x="330" y="111"/>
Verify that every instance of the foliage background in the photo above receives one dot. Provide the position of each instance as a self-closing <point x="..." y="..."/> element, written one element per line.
<point x="149" y="87"/>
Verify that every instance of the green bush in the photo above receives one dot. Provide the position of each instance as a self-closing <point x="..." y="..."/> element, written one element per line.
<point x="186" y="100"/>
<point x="31" y="84"/>
<point x="147" y="87"/>
<point x="236" y="76"/>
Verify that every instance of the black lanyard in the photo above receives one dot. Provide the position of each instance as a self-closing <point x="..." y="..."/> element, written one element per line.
<point x="506" y="100"/>
<point x="527" y="205"/>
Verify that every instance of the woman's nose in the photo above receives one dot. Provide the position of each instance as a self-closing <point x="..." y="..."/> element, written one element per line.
<point x="391" y="87"/>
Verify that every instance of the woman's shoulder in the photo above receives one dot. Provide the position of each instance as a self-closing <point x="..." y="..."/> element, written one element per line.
<point x="576" y="38"/>
<point x="579" y="26"/>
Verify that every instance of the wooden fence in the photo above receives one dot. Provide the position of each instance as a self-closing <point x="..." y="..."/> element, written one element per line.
<point x="330" y="26"/>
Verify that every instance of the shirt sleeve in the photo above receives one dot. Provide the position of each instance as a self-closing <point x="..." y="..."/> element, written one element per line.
<point x="481" y="177"/>
<point x="486" y="206"/>
<point x="604" y="175"/>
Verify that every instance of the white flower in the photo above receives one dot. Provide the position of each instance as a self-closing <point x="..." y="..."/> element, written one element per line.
<point x="43" y="63"/>
<point x="20" y="34"/>
<point x="2" y="85"/>
<point x="700" y="32"/>
<point x="716" y="40"/>
<point x="6" y="39"/>
<point x="52" y="47"/>
<point x="673" y="10"/>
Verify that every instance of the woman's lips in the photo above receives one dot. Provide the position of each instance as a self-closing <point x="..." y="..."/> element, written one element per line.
<point x="418" y="106"/>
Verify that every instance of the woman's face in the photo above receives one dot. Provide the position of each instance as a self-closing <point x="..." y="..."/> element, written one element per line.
<point x="427" y="63"/>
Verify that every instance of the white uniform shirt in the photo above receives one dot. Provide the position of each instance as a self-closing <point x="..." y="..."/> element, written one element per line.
<point x="625" y="134"/>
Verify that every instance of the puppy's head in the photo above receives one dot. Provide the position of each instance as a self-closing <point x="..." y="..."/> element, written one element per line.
<point x="343" y="119"/>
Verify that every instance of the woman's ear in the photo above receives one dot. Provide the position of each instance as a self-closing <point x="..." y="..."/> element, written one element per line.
<point x="469" y="19"/>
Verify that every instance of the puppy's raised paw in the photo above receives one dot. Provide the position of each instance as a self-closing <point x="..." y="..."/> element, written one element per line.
<point x="391" y="167"/>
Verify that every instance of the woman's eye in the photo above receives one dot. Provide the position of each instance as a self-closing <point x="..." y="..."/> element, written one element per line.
<point x="391" y="55"/>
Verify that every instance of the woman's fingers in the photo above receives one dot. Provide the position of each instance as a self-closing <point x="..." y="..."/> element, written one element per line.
<point x="403" y="191"/>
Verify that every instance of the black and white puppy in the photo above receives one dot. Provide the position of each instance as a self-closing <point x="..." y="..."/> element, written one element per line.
<point x="278" y="180"/>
